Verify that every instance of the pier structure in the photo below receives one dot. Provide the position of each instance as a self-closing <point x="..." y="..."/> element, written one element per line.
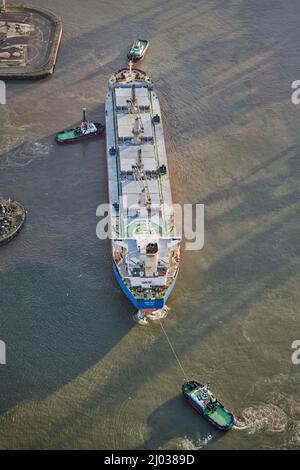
<point x="29" y="41"/>
<point x="12" y="219"/>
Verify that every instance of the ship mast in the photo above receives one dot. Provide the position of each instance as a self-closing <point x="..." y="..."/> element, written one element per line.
<point x="139" y="169"/>
<point x="138" y="130"/>
<point x="130" y="64"/>
<point x="84" y="115"/>
<point x="141" y="177"/>
<point x="132" y="103"/>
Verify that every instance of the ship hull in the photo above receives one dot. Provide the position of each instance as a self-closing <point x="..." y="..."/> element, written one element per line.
<point x="143" y="304"/>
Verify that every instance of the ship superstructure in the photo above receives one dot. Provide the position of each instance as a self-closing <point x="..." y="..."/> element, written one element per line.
<point x="146" y="250"/>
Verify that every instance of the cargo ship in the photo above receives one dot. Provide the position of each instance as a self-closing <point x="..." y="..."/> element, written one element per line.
<point x="145" y="246"/>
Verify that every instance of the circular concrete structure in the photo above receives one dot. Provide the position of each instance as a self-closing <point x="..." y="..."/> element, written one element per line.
<point x="29" y="41"/>
<point x="12" y="219"/>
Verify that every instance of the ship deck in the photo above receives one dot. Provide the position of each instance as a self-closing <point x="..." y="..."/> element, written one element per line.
<point x="129" y="219"/>
<point x="142" y="216"/>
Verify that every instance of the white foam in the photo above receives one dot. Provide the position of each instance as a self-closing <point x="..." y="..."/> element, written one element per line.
<point x="265" y="417"/>
<point x="189" y="444"/>
<point x="24" y="155"/>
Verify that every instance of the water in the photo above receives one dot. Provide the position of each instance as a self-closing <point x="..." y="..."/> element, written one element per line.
<point x="80" y="373"/>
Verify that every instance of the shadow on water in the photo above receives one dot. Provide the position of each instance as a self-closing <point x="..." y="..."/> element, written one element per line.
<point x="61" y="300"/>
<point x="240" y="278"/>
<point x="175" y="419"/>
<point x="258" y="192"/>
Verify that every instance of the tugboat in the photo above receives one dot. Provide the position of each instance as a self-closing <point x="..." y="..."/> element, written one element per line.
<point x="204" y="402"/>
<point x="86" y="130"/>
<point x="138" y="50"/>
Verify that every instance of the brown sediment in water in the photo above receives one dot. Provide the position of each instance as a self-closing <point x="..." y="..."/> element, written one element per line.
<point x="29" y="42"/>
<point x="14" y="217"/>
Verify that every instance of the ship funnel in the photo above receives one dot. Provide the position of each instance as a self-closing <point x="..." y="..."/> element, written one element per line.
<point x="83" y="114"/>
<point x="151" y="261"/>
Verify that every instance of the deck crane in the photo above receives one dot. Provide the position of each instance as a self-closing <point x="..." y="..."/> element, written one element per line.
<point x="141" y="177"/>
<point x="132" y="103"/>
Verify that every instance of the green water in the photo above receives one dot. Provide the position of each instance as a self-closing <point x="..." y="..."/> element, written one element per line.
<point x="80" y="373"/>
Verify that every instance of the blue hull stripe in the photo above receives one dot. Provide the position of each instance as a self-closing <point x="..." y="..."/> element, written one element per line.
<point x="140" y="304"/>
